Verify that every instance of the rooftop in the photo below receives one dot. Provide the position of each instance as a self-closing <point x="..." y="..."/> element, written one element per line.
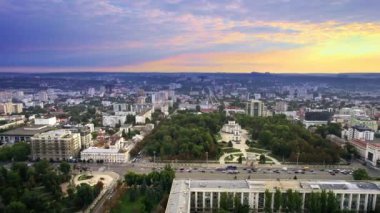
<point x="181" y="188"/>
<point x="26" y="130"/>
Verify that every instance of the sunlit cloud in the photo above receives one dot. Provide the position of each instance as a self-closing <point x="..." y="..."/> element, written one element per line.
<point x="190" y="36"/>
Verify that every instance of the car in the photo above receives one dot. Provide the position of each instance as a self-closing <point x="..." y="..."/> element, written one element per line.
<point x="203" y="171"/>
<point x="219" y="169"/>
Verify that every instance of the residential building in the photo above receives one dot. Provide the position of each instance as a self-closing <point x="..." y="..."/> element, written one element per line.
<point x="56" y="145"/>
<point x="10" y="108"/>
<point x="281" y="106"/>
<point x="359" y="133"/>
<point x="188" y="195"/>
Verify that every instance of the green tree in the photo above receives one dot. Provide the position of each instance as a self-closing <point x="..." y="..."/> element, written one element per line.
<point x="332" y="203"/>
<point x="277" y="200"/>
<point x="65" y="168"/>
<point x="262" y="159"/>
<point x="360" y="174"/>
<point x="268" y="202"/>
<point x="240" y="159"/>
<point x="223" y="201"/>
<point x="323" y="201"/>
<point x="16" y="207"/>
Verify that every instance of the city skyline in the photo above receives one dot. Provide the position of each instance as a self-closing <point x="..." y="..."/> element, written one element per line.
<point x="287" y="36"/>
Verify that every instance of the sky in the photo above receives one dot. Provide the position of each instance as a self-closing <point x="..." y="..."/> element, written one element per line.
<point x="279" y="36"/>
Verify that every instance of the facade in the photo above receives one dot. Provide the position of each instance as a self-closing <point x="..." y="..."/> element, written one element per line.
<point x="113" y="120"/>
<point x="233" y="128"/>
<point x="141" y="117"/>
<point x="281" y="106"/>
<point x="358" y="133"/>
<point x="56" y="145"/>
<point x="107" y="155"/>
<point x="369" y="151"/>
<point x="204" y="195"/>
<point x="255" y="108"/>
<point x="46" y="121"/>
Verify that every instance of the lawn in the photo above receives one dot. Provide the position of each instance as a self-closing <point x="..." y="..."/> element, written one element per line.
<point x="256" y="150"/>
<point x="230" y="150"/>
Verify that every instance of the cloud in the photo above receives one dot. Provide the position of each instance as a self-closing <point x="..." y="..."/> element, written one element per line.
<point x="147" y="34"/>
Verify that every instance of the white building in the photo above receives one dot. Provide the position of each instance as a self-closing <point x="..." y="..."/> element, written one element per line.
<point x="359" y="133"/>
<point x="369" y="151"/>
<point x="205" y="195"/>
<point x="46" y="121"/>
<point x="107" y="155"/>
<point x="113" y="120"/>
<point x="141" y="117"/>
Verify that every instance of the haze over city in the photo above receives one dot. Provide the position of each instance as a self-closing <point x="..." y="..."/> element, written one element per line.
<point x="293" y="36"/>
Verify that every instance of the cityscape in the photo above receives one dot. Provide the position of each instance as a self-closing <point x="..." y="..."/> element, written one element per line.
<point x="174" y="106"/>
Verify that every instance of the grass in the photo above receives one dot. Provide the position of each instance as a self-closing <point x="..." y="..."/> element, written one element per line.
<point x="260" y="151"/>
<point x="85" y="177"/>
<point x="126" y="206"/>
<point x="230" y="150"/>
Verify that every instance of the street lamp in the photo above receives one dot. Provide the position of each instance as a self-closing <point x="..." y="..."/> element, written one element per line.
<point x="206" y="159"/>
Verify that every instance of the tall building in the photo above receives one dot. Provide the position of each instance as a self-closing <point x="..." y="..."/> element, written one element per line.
<point x="255" y="108"/>
<point x="10" y="108"/>
<point x="206" y="195"/>
<point x="55" y="145"/>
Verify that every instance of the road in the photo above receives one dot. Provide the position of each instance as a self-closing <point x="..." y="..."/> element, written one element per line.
<point x="197" y="172"/>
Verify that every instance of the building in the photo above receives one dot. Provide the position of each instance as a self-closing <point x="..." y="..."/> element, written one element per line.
<point x="96" y="154"/>
<point x="22" y="134"/>
<point x="255" y="108"/>
<point x="10" y="108"/>
<point x="281" y="106"/>
<point x="364" y="121"/>
<point x="56" y="145"/>
<point x="233" y="128"/>
<point x="359" y="133"/>
<point x="316" y="118"/>
<point x="113" y="120"/>
<point x="141" y="117"/>
<point x="369" y="151"/>
<point x="51" y="121"/>
<point x="205" y="195"/>
<point x="120" y="107"/>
